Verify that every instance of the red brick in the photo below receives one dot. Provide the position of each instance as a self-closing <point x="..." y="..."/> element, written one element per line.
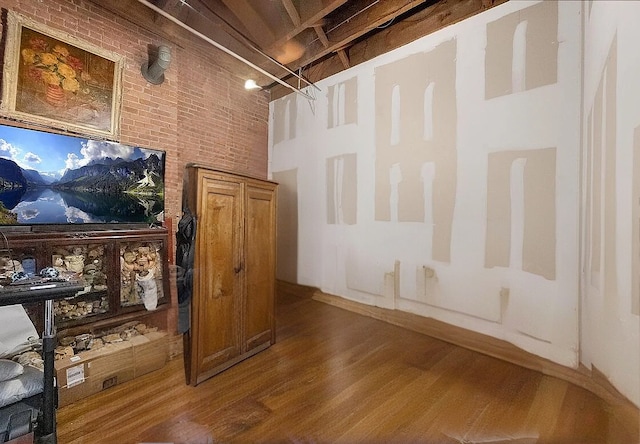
<point x="201" y="113"/>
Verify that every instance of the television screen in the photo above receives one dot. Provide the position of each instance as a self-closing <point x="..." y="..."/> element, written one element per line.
<point x="50" y="178"/>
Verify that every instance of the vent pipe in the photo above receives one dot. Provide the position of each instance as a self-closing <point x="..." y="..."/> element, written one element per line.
<point x="223" y="48"/>
<point x="154" y="73"/>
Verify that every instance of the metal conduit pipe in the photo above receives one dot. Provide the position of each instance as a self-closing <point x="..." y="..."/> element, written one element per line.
<point x="223" y="48"/>
<point x="253" y="45"/>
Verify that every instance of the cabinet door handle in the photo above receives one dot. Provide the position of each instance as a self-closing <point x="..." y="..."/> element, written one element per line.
<point x="237" y="269"/>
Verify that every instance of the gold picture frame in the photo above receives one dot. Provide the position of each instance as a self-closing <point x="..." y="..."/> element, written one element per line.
<point x="60" y="81"/>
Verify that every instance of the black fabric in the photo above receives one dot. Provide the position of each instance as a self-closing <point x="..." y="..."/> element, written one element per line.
<point x="31" y="405"/>
<point x="185" y="250"/>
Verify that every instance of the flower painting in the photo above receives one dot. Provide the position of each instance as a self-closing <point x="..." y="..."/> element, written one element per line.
<point x="56" y="79"/>
<point x="51" y="65"/>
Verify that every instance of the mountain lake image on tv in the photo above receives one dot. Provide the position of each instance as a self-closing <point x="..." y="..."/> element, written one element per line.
<point x="57" y="179"/>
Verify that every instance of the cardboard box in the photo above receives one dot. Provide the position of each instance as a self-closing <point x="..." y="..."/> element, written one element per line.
<point x="150" y="352"/>
<point x="92" y="371"/>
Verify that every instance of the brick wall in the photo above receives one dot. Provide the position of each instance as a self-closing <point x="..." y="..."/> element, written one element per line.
<point x="201" y="113"/>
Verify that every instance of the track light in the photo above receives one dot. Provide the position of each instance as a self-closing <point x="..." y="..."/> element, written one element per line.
<point x="231" y="53"/>
<point x="251" y="84"/>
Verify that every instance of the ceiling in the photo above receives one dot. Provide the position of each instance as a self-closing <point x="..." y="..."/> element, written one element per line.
<point x="299" y="41"/>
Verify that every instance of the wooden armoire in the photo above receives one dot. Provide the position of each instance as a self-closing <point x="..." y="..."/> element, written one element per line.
<point x="234" y="268"/>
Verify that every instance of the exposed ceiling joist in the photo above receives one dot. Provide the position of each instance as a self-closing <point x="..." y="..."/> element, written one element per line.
<point x="292" y="11"/>
<point x="361" y="24"/>
<point x="259" y="30"/>
<point x="317" y="37"/>
<point x="407" y="28"/>
<point x="312" y="13"/>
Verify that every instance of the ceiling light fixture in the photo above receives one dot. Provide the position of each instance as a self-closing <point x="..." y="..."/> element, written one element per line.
<point x="254" y="46"/>
<point x="223" y="48"/>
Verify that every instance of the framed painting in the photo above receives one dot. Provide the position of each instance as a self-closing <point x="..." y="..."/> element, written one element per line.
<point x="57" y="80"/>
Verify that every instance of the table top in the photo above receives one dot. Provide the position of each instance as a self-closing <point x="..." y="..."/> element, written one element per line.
<point x="38" y="291"/>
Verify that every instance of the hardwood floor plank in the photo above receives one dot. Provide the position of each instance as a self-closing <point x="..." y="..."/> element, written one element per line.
<point x="508" y="410"/>
<point x="335" y="376"/>
<point x="545" y="408"/>
<point x="398" y="411"/>
<point x="463" y="396"/>
<point x="580" y="422"/>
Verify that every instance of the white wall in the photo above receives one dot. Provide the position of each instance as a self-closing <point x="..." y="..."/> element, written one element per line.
<point x="444" y="177"/>
<point x="611" y="190"/>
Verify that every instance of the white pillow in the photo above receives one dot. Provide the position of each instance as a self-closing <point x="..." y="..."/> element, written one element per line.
<point x="29" y="383"/>
<point x="10" y="369"/>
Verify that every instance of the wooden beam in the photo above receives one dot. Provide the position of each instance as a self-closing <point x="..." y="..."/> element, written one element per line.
<point x="292" y="11"/>
<point x="311" y="14"/>
<point x="342" y="55"/>
<point x="425" y="22"/>
<point x="321" y="35"/>
<point x="219" y="14"/>
<point x="163" y="3"/>
<point x="357" y="26"/>
<point x="260" y="31"/>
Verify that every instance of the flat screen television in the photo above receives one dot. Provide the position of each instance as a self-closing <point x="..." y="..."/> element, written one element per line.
<point x="48" y="178"/>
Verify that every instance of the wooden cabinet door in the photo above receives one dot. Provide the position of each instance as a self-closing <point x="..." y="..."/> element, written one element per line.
<point x="260" y="263"/>
<point x="217" y="303"/>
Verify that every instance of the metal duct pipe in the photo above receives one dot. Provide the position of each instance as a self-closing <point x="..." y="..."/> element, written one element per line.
<point x="222" y="48"/>
<point x="154" y="73"/>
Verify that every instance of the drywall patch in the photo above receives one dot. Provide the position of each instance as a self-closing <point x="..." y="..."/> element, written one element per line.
<point x="522" y="50"/>
<point x="601" y="196"/>
<point x="593" y="192"/>
<point x="521" y="211"/>
<point x="287" y="255"/>
<point x="635" y="250"/>
<point x="404" y="146"/>
<point x="392" y="282"/>
<point x="342" y="190"/>
<point x="285" y="113"/>
<point x="372" y="275"/>
<point x="426" y="284"/>
<point x="505" y="292"/>
<point x="343" y="103"/>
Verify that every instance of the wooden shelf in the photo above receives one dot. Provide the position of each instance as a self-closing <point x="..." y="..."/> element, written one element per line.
<point x="110" y="260"/>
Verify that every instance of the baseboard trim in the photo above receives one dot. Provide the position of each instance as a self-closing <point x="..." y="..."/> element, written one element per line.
<point x="592" y="380"/>
<point x="288" y="288"/>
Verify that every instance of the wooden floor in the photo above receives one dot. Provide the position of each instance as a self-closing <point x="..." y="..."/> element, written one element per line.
<point x="337" y="377"/>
